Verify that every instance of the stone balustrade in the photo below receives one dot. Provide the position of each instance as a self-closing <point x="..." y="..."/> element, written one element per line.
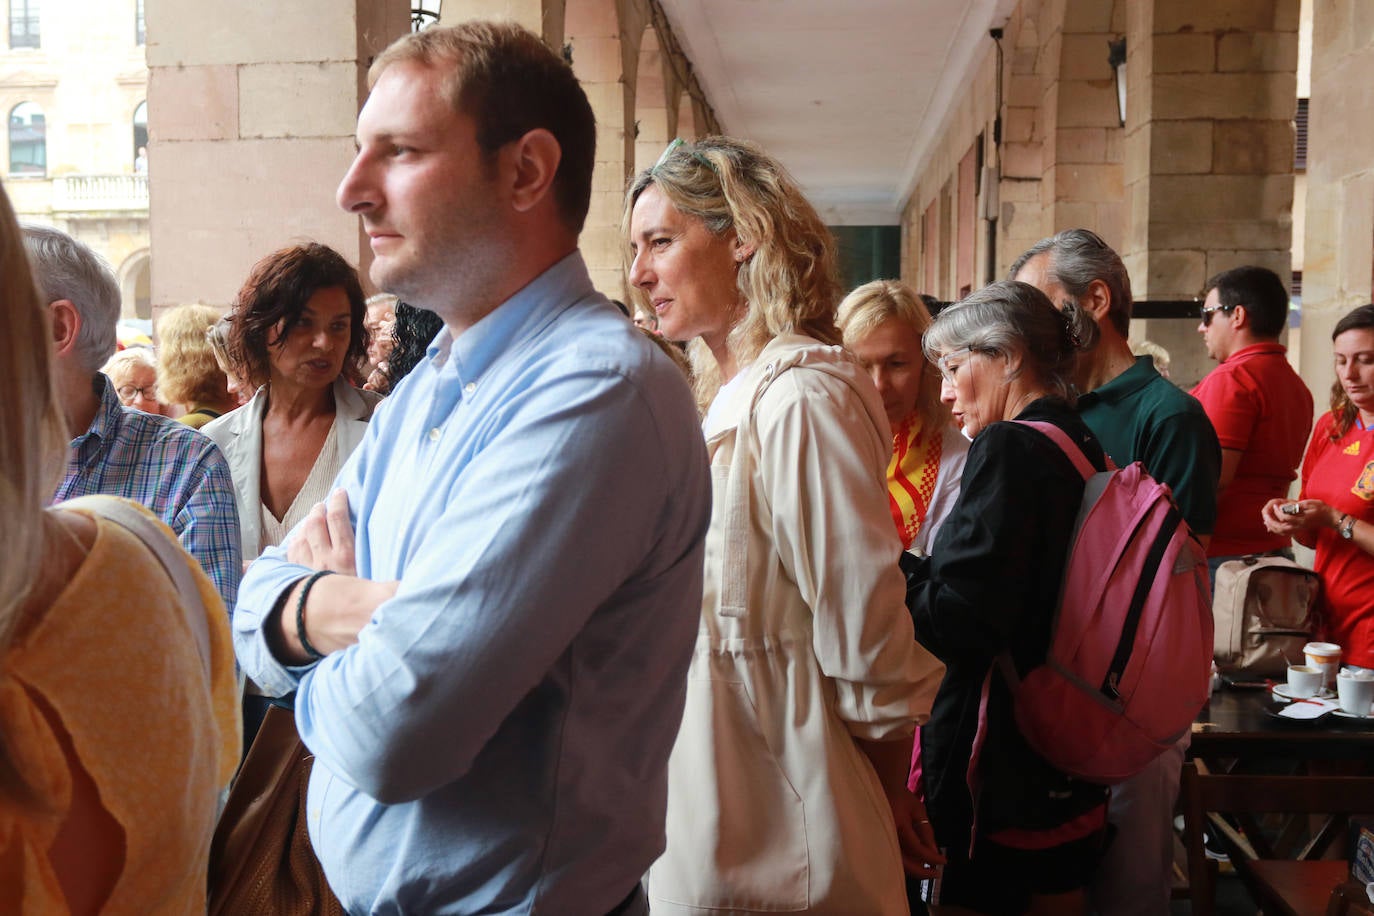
<point x="86" y="193"/>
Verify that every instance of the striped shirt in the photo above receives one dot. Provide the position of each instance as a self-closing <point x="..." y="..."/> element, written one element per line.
<point x="172" y="469"/>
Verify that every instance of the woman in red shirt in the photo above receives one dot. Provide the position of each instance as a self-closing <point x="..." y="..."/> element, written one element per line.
<point x="1334" y="512"/>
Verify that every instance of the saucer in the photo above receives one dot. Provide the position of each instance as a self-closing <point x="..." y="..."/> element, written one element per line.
<point x="1281" y="691"/>
<point x="1358" y="718"/>
<point x="1306" y="711"/>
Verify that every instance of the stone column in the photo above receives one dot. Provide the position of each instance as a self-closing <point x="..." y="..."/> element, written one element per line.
<point x="1339" y="244"/>
<point x="605" y="37"/>
<point x="252" y="112"/>
<point x="1209" y="150"/>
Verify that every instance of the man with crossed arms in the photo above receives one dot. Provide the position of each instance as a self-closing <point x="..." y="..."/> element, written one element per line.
<point x="493" y="677"/>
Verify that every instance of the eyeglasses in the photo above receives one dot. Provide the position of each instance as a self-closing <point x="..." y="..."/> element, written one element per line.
<point x="948" y="372"/>
<point x="128" y="392"/>
<point x="1206" y="313"/>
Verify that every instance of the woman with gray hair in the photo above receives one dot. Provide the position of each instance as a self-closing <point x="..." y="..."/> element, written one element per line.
<point x="787" y="784"/>
<point x="991" y="586"/>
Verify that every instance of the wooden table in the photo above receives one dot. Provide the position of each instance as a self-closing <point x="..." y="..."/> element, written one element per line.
<point x="1234" y="725"/>
<point x="1236" y="734"/>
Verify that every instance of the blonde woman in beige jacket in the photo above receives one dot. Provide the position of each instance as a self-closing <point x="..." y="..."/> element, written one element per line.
<point x="787" y="785"/>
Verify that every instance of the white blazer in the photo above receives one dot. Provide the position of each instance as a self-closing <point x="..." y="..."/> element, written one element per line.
<point x="239" y="436"/>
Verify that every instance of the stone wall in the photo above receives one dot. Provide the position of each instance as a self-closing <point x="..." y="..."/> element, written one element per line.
<point x="1059" y="164"/>
<point x="255" y="108"/>
<point x="1339" y="250"/>
<point x="970" y="117"/>
<point x="1198" y="180"/>
<point x="1209" y="151"/>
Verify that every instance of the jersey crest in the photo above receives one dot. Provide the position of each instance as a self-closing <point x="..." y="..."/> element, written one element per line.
<point x="1364" y="487"/>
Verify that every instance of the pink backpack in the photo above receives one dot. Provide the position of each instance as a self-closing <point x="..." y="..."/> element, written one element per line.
<point x="1131" y="646"/>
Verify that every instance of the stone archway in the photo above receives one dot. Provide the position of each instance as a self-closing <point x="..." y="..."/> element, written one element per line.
<point x="135" y="285"/>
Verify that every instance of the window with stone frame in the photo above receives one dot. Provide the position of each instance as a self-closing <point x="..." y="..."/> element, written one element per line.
<point x="28" y="141"/>
<point x="24" y="23"/>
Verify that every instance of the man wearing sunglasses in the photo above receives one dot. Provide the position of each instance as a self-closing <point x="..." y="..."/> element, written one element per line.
<point x="1261" y="409"/>
<point x="1137" y="415"/>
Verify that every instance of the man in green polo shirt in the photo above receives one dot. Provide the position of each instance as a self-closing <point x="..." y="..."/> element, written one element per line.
<point x="1137" y="415"/>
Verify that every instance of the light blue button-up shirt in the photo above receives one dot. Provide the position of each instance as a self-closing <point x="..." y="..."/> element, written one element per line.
<point x="497" y="740"/>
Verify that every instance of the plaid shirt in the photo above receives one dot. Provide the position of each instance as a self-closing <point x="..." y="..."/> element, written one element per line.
<point x="169" y="467"/>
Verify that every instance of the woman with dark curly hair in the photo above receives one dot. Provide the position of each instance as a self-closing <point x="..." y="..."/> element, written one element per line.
<point x="297" y="334"/>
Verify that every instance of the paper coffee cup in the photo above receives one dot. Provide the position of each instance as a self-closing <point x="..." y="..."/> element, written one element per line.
<point x="1355" y="692"/>
<point x="1304" y="680"/>
<point x="1324" y="655"/>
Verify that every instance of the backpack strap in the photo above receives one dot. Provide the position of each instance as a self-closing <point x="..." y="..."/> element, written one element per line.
<point x="168" y="553"/>
<point x="1066" y="445"/>
<point x="734" y="573"/>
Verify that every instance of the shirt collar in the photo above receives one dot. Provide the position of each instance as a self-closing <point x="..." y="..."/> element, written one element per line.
<point x="1259" y="349"/>
<point x="105" y="425"/>
<point x="1125" y="384"/>
<point x="519" y="317"/>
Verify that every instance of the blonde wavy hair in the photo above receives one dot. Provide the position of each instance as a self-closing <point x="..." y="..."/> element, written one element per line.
<point x="866" y="307"/>
<point x="33" y="442"/>
<point x="790" y="282"/>
<point x="187" y="371"/>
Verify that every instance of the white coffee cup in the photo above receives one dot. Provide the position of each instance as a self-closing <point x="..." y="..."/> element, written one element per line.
<point x="1355" y="690"/>
<point x="1325" y="655"/>
<point x="1304" y="680"/>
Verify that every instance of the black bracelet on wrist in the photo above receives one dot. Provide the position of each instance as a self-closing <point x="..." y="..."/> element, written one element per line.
<point x="315" y="654"/>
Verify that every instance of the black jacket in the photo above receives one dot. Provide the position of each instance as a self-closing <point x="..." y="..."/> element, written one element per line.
<point x="992" y="584"/>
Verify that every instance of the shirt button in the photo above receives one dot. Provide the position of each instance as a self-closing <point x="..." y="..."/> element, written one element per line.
<point x="469" y="388"/>
<point x="434" y="434"/>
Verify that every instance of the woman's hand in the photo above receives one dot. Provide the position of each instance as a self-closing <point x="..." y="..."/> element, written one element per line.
<point x="1295" y="519"/>
<point x="892" y="762"/>
<point x="920" y="856"/>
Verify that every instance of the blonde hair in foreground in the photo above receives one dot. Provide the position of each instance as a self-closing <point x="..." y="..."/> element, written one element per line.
<point x="870" y="305"/>
<point x="33" y="438"/>
<point x="790" y="283"/>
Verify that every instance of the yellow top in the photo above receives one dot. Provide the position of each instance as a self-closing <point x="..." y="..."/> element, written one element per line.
<point x="196" y="417"/>
<point x="115" y="661"/>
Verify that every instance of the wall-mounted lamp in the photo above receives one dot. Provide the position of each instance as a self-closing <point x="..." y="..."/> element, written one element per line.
<point x="1116" y="57"/>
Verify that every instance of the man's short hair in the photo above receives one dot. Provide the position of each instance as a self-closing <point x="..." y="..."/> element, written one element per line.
<point x="508" y="81"/>
<point x="1261" y="292"/>
<point x="1077" y="257"/>
<point x="64" y="268"/>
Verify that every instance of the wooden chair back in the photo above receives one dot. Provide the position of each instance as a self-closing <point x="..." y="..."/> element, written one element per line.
<point x="1206" y="792"/>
